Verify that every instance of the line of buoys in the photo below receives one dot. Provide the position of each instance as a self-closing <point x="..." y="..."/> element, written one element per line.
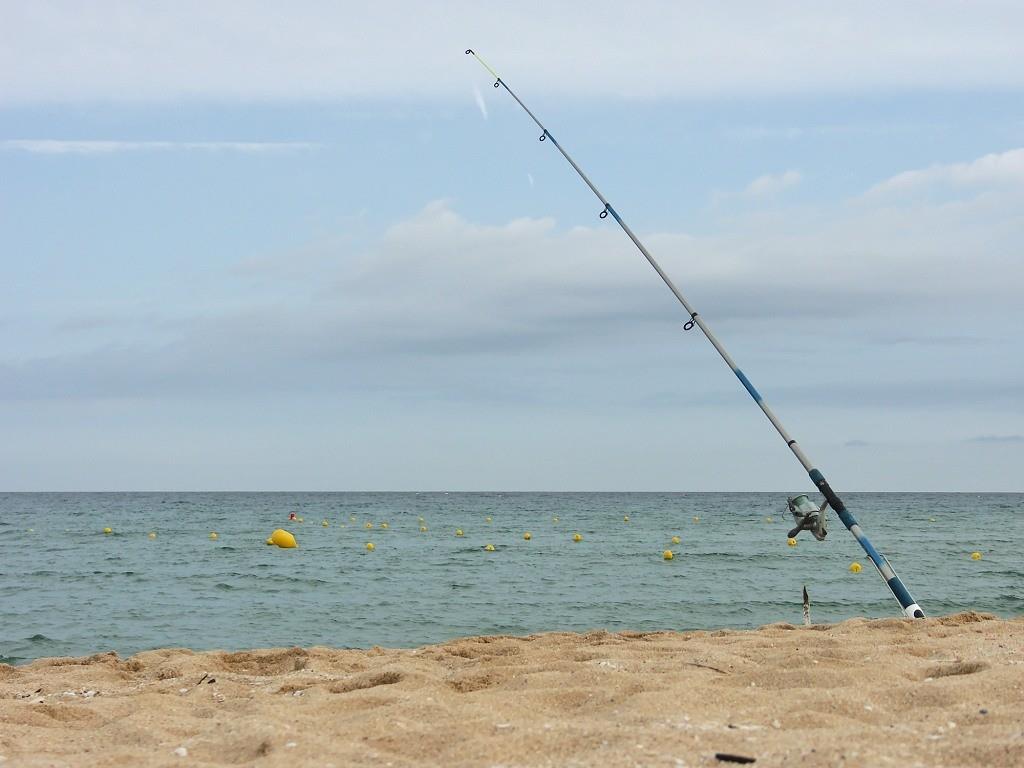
<point x="283" y="539"/>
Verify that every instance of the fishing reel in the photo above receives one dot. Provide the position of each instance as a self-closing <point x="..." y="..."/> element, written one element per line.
<point x="808" y="516"/>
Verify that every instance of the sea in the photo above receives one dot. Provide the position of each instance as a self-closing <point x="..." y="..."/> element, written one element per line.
<point x="67" y="588"/>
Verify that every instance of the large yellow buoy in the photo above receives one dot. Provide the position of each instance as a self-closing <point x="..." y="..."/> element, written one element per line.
<point x="108" y="531"/>
<point x="975" y="555"/>
<point x="667" y="554"/>
<point x="283" y="539"/>
<point x="577" y="537"/>
<point x="458" y="532"/>
<point x="527" y="536"/>
<point x="855" y="568"/>
<point x="489" y="547"/>
<point x="675" y="539"/>
<point x="791" y="542"/>
<point x="369" y="546"/>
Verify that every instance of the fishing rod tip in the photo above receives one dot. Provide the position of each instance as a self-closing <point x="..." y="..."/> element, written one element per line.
<point x="469" y="51"/>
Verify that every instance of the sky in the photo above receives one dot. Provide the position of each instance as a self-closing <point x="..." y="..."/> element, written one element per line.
<point x="308" y="246"/>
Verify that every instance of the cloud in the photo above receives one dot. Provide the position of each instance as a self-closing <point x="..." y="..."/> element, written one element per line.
<point x="480" y="103"/>
<point x="997" y="439"/>
<point x="92" y="147"/>
<point x="993" y="169"/>
<point x="770" y="185"/>
<point x="53" y="50"/>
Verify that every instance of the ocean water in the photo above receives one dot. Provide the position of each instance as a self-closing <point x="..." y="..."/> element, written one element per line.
<point x="66" y="588"/>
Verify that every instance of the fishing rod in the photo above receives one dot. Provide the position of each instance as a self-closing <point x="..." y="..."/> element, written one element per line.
<point x="895" y="584"/>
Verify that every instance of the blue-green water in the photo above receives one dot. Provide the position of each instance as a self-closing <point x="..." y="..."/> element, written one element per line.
<point x="68" y="589"/>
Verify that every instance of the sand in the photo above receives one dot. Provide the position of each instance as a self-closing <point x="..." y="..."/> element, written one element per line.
<point x="946" y="691"/>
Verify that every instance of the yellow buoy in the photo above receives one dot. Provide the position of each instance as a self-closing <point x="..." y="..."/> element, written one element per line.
<point x="420" y="518"/>
<point x="625" y="518"/>
<point x="108" y="531"/>
<point x="352" y="518"/>
<point x="489" y="547"/>
<point x="384" y="526"/>
<point x="152" y="534"/>
<point x="368" y="526"/>
<point x="577" y="537"/>
<point x="975" y="555"/>
<point x="213" y="535"/>
<point x="325" y="524"/>
<point x="696" y="519"/>
<point x="667" y="554"/>
<point x="675" y="539"/>
<point x="283" y="539"/>
<point x="554" y="519"/>
<point x="487" y="519"/>
<point x="458" y="531"/>
<point x="423" y="529"/>
<point x="300" y="520"/>
<point x="768" y="519"/>
<point x="931" y="519"/>
<point x="369" y="546"/>
<point x="855" y="568"/>
<point x="791" y="542"/>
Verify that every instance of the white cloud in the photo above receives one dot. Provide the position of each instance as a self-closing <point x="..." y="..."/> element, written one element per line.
<point x="53" y="50"/>
<point x="772" y="184"/>
<point x="480" y="103"/>
<point x="992" y="169"/>
<point x="91" y="147"/>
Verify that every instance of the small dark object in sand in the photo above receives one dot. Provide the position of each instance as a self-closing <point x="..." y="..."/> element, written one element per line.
<point x="725" y="757"/>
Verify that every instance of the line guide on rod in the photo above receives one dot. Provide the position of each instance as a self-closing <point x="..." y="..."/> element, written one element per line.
<point x="895" y="584"/>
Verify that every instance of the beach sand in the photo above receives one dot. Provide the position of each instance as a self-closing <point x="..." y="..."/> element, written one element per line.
<point x="946" y="691"/>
